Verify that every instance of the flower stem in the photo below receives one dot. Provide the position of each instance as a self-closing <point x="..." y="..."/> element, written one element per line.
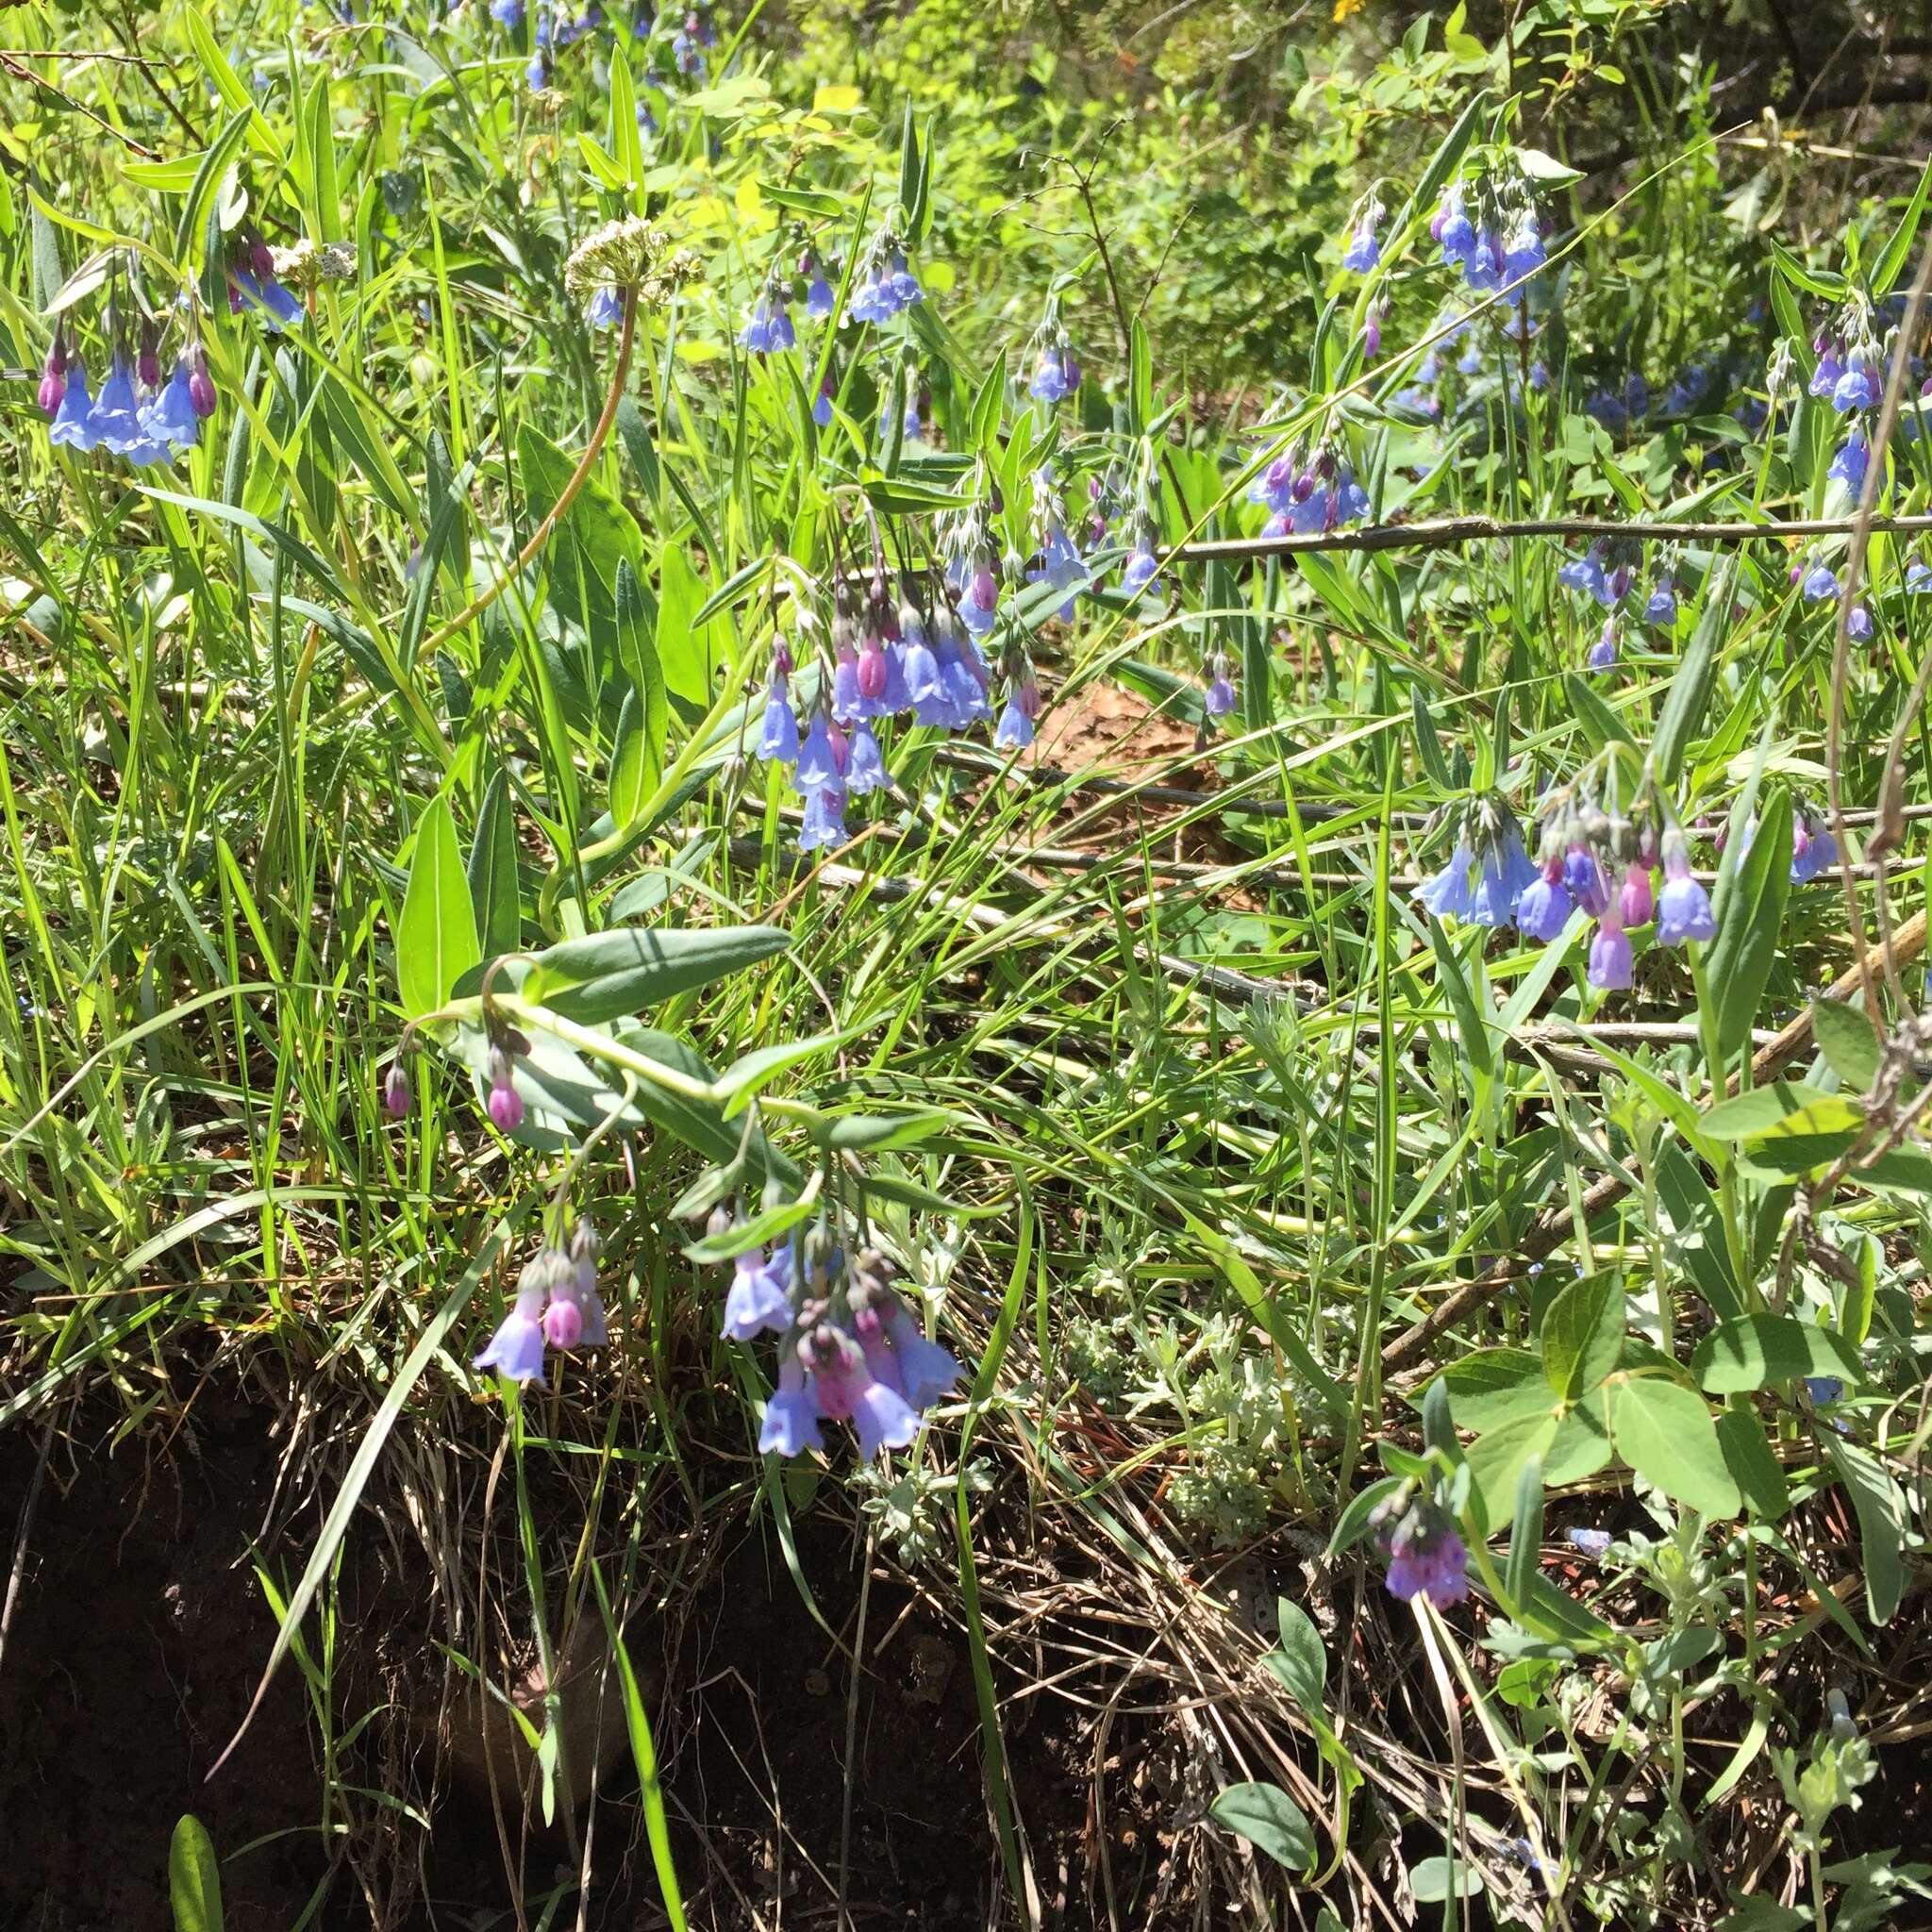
<point x="541" y="534"/>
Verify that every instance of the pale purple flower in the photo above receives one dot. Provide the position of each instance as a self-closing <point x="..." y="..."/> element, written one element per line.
<point x="778" y="739"/>
<point x="760" y="1297"/>
<point x="1426" y="1557"/>
<point x="1683" y="908"/>
<point x="395" y="1091"/>
<point x="517" y="1347"/>
<point x="1636" y="903"/>
<point x="1449" y="894"/>
<point x="1544" y="907"/>
<point x="505" y="1104"/>
<point x="792" y="1416"/>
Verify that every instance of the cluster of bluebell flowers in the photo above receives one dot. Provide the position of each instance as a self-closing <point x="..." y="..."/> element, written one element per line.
<point x="1050" y="355"/>
<point x="887" y="659"/>
<point x="1814" y="850"/>
<point x="676" y="43"/>
<point x="137" y="415"/>
<point x="1591" y="859"/>
<point x="882" y="284"/>
<point x="851" y="1350"/>
<point x="1490" y="230"/>
<point x="558" y="1304"/>
<point x="1307" y="492"/>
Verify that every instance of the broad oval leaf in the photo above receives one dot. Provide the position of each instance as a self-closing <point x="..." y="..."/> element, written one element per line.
<point x="1754" y="1352"/>
<point x="1267" y="1817"/>
<point x="1583" y="1334"/>
<point x="194" y="1878"/>
<point x="1664" y="1432"/>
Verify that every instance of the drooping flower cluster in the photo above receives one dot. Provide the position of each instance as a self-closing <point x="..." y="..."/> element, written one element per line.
<point x="886" y="659"/>
<point x="851" y="1349"/>
<point x="1814" y="850"/>
<point x="1426" y="1555"/>
<point x="557" y="1306"/>
<point x="1050" y="355"/>
<point x="1592" y="858"/>
<point x="1362" y="250"/>
<point x="1307" y="492"/>
<point x="136" y="415"/>
<point x="1488" y="871"/>
<point x="1605" y="571"/>
<point x="1849" y="371"/>
<point x="1490" y="230"/>
<point x="1057" y="560"/>
<point x="675" y="44"/>
<point x="882" y="285"/>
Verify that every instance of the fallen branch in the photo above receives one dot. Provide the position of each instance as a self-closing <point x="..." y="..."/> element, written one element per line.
<point x="1442" y="532"/>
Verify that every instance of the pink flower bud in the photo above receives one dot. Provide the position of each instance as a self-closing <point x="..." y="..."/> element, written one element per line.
<point x="1636" y="902"/>
<point x="563" y="1323"/>
<point x="395" y="1091"/>
<point x="506" y="1107"/>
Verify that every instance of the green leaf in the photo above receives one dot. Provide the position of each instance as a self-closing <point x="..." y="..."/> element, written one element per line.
<point x="688" y="653"/>
<point x="1881" y="1524"/>
<point x="742" y="1236"/>
<point x="1696" y="1222"/>
<point x="1596" y="717"/>
<point x="1665" y="1433"/>
<point x="743" y="1079"/>
<point x="1302" y="1661"/>
<point x="495" y="889"/>
<point x="1355" y="1520"/>
<point x="436" y="933"/>
<point x="608" y="974"/>
<point x="1758" y="1473"/>
<point x="1746" y="1115"/>
<point x="1435" y="1880"/>
<point x="803" y="201"/>
<point x="1808" y="1139"/>
<point x="194" y="1878"/>
<point x="1140" y="380"/>
<point x="1689" y="689"/>
<point x="1497" y="1459"/>
<point x="1907" y="1169"/>
<point x="1750" y="919"/>
<point x="1494" y="1384"/>
<point x="1542" y="167"/>
<point x="633" y="779"/>
<point x="596" y="535"/>
<point x="1583" y="1334"/>
<point x="1438" y="1427"/>
<point x="1267" y="1817"/>
<point x="1848" y="1040"/>
<point x="1526" y="1532"/>
<point x="1892" y="258"/>
<point x="1754" y="1352"/>
<point x="1813" y="281"/>
<point x="876" y="1133"/>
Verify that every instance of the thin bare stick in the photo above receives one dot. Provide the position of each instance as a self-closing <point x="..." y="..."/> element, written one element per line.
<point x="1841" y="655"/>
<point x="1438" y="533"/>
